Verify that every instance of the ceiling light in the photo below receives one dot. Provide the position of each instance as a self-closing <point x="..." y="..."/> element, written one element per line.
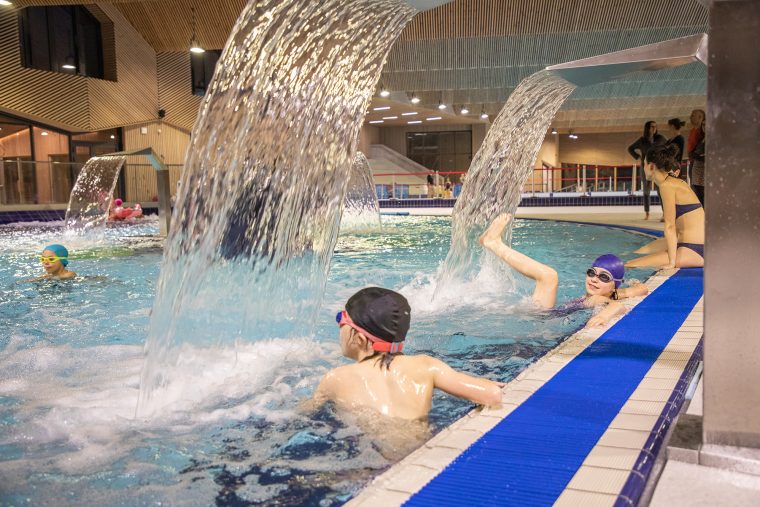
<point x="415" y="99"/>
<point x="483" y="115"/>
<point x="433" y="118"/>
<point x="44" y="133"/>
<point x="113" y="136"/>
<point x="409" y="114"/>
<point x="572" y="136"/>
<point x="464" y="110"/>
<point x="68" y="66"/>
<point x="377" y="121"/>
<point x="414" y="121"/>
<point x="384" y="108"/>
<point x="390" y="117"/>
<point x="441" y="106"/>
<point x="5" y="2"/>
<point x="195" y="47"/>
<point x="554" y="131"/>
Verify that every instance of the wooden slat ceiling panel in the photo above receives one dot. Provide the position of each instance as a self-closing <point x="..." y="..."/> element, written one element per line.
<point x="471" y="52"/>
<point x="175" y="89"/>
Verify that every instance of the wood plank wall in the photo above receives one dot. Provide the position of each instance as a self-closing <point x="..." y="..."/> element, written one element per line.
<point x="168" y="142"/>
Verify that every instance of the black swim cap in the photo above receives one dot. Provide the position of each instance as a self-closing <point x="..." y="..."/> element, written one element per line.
<point x="382" y="312"/>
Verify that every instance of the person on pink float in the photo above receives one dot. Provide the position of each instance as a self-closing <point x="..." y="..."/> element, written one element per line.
<point x="119" y="212"/>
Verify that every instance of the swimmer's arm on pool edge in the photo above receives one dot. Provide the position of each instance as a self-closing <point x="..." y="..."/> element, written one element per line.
<point x="322" y="394"/>
<point x="611" y="309"/>
<point x="478" y="390"/>
<point x="637" y="289"/>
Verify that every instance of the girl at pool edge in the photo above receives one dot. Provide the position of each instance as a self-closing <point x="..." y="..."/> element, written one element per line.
<point x="54" y="260"/>
<point x="372" y="331"/>
<point x="603" y="279"/>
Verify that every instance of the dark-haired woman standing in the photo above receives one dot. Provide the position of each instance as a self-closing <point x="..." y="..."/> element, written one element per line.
<point x="684" y="217"/>
<point x="639" y="150"/>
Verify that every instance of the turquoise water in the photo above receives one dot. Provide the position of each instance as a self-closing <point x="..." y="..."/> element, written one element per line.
<point x="71" y="355"/>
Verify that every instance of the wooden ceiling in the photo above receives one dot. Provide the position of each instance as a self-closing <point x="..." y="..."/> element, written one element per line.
<point x="474" y="52"/>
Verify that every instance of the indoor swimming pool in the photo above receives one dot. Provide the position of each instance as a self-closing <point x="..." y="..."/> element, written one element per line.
<point x="71" y="354"/>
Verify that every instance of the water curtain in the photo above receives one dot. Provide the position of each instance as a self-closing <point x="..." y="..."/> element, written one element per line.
<point x="91" y="196"/>
<point x="262" y="191"/>
<point x="361" y="209"/>
<point x="499" y="170"/>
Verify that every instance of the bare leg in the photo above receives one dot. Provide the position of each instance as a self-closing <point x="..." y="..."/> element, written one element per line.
<point x="688" y="258"/>
<point x="656" y="260"/>
<point x="658" y="245"/>
<point x="545" y="293"/>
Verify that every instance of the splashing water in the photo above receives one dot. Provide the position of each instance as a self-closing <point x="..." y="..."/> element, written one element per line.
<point x="258" y="212"/>
<point x="497" y="173"/>
<point x="361" y="211"/>
<point x="91" y="196"/>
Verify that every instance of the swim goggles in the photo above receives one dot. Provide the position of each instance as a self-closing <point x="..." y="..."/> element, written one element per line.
<point x="378" y="344"/>
<point x="602" y="276"/>
<point x="51" y="259"/>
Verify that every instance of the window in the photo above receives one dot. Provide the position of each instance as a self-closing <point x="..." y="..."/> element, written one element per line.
<point x="441" y="151"/>
<point x="63" y="39"/>
<point x="202" y="69"/>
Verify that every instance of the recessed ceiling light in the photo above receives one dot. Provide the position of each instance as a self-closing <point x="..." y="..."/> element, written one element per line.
<point x="377" y="121"/>
<point x="383" y="108"/>
<point x="68" y="66"/>
<point x="409" y="114"/>
<point x="113" y="136"/>
<point x="433" y="118"/>
<point x="390" y="117"/>
<point x="414" y="121"/>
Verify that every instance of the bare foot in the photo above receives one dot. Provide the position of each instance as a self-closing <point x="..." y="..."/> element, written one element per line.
<point x="646" y="216"/>
<point x="493" y="234"/>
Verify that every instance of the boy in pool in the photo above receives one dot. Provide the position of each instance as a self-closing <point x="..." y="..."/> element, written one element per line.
<point x="372" y="331"/>
<point x="603" y="278"/>
<point x="54" y="260"/>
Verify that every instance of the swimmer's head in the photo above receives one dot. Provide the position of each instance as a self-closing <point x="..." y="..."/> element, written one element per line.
<point x="117" y="202"/>
<point x="49" y="254"/>
<point x="380" y="315"/>
<point x="608" y="271"/>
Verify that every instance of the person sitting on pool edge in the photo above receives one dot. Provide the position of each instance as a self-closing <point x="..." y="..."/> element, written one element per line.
<point x="603" y="278"/>
<point x="684" y="241"/>
<point x="372" y="331"/>
<point x="54" y="260"/>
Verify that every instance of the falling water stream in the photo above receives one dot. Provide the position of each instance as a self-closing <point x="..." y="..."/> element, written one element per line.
<point x="258" y="213"/>
<point x="498" y="171"/>
<point x="361" y="210"/>
<point x="91" y="196"/>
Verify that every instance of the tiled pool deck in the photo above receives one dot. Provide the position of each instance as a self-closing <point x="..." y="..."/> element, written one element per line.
<point x="490" y="458"/>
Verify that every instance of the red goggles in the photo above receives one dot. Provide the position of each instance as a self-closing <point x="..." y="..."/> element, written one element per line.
<point x="378" y="344"/>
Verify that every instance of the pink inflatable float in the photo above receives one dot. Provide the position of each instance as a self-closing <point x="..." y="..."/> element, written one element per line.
<point x="118" y="212"/>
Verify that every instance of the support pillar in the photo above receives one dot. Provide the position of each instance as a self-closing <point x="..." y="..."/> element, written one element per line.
<point x="732" y="206"/>
<point x="164" y="201"/>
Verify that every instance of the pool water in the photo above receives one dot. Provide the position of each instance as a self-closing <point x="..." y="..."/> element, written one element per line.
<point x="71" y="355"/>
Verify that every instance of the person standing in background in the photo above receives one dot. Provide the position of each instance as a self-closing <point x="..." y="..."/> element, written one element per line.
<point x="696" y="134"/>
<point x="697" y="162"/>
<point x="638" y="151"/>
<point x="675" y="125"/>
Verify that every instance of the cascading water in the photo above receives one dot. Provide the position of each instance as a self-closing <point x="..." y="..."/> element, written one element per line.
<point x="92" y="193"/>
<point x="257" y="217"/>
<point x="498" y="171"/>
<point x="361" y="210"/>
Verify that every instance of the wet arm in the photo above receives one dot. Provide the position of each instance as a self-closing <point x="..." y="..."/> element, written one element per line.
<point x="635" y="290"/>
<point x="475" y="389"/>
<point x="612" y="309"/>
<point x="321" y="395"/>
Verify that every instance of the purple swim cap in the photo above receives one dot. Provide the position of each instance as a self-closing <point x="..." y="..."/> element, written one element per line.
<point x="613" y="264"/>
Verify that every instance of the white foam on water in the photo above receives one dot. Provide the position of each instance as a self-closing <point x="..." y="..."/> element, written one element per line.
<point x="76" y="406"/>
